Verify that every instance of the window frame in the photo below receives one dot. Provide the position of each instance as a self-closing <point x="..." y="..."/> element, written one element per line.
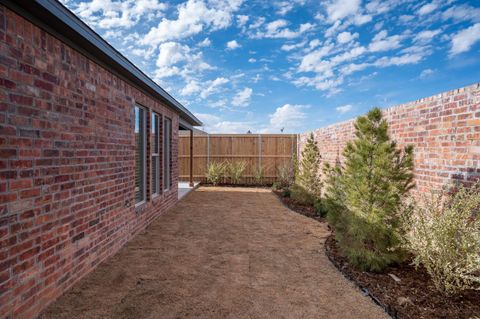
<point x="144" y="151"/>
<point x="167" y="154"/>
<point x="155" y="157"/>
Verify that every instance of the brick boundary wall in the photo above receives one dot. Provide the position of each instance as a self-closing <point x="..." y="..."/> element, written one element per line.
<point x="66" y="166"/>
<point x="444" y="130"/>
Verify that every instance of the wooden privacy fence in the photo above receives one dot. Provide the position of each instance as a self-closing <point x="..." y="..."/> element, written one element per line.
<point x="268" y="151"/>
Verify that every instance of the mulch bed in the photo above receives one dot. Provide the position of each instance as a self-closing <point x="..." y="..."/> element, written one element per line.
<point x="305" y="210"/>
<point x="413" y="297"/>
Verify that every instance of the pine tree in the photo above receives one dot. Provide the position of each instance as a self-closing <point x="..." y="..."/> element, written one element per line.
<point x="372" y="186"/>
<point x="308" y="174"/>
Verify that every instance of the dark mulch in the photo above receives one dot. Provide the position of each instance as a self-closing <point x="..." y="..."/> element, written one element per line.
<point x="297" y="207"/>
<point x="413" y="297"/>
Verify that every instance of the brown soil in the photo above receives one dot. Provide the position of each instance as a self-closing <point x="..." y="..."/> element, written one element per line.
<point x="220" y="253"/>
<point x="413" y="297"/>
<point x="297" y="207"/>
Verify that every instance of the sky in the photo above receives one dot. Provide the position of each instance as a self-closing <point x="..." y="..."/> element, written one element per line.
<point x="268" y="66"/>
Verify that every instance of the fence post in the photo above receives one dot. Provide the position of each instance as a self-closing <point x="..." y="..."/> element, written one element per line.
<point x="208" y="150"/>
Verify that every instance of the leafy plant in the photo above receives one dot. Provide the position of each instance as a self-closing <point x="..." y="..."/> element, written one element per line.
<point x="285" y="175"/>
<point x="308" y="174"/>
<point x="215" y="172"/>
<point x="444" y="234"/>
<point x="301" y="195"/>
<point x="320" y="208"/>
<point x="258" y="175"/>
<point x="235" y="170"/>
<point x="365" y="196"/>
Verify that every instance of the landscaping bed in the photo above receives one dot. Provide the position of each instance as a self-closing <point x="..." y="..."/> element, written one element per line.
<point x="414" y="296"/>
<point x="306" y="210"/>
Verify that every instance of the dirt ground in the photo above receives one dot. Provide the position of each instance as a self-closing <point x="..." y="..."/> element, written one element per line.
<point x="220" y="253"/>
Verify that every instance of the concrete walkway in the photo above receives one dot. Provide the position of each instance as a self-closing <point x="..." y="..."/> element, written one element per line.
<point x="220" y="253"/>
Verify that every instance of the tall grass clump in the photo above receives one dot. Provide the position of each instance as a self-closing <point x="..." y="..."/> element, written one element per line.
<point x="215" y="172"/>
<point x="365" y="196"/>
<point x="235" y="170"/>
<point x="444" y="234"/>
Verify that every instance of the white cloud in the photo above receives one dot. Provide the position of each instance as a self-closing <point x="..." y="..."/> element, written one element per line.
<point x="399" y="60"/>
<point x="427" y="8"/>
<point x="340" y="9"/>
<point x="193" y="17"/>
<point x="383" y="42"/>
<point x="293" y="46"/>
<point x="346" y="37"/>
<point x="288" y="117"/>
<point x="175" y="59"/>
<point x="242" y="20"/>
<point x="205" y="43"/>
<point x="213" y="86"/>
<point x="465" y="39"/>
<point x="232" y="45"/>
<point x="426" y="73"/>
<point x="252" y="60"/>
<point x="427" y="35"/>
<point x="462" y="13"/>
<point x="278" y="29"/>
<point x="108" y="14"/>
<point x="285" y="7"/>
<point x="344" y="108"/>
<point x="242" y="98"/>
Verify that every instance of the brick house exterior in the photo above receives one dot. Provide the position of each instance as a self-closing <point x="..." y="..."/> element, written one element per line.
<point x="67" y="145"/>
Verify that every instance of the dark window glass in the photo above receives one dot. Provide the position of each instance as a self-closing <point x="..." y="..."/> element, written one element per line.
<point x="140" y="138"/>
<point x="155" y="138"/>
<point x="167" y="158"/>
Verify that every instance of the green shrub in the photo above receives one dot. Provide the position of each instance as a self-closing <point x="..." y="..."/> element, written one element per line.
<point x="308" y="174"/>
<point x="365" y="196"/>
<point x="276" y="186"/>
<point x="320" y="208"/>
<point x="235" y="171"/>
<point x="444" y="234"/>
<point x="258" y="175"/>
<point x="285" y="175"/>
<point x="301" y="196"/>
<point x="215" y="172"/>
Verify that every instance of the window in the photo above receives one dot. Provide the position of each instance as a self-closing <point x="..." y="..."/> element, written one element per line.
<point x="156" y="123"/>
<point x="140" y="158"/>
<point x="167" y="132"/>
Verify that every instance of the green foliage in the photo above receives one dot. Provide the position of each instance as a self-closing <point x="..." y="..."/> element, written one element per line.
<point x="215" y="172"/>
<point x="320" y="208"/>
<point x="258" y="175"/>
<point x="276" y="186"/>
<point x="365" y="196"/>
<point x="444" y="234"/>
<point x="308" y="174"/>
<point x="301" y="195"/>
<point x="235" y="170"/>
<point x="285" y="175"/>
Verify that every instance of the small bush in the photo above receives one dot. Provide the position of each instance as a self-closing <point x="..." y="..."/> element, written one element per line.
<point x="276" y="186"/>
<point x="235" y="171"/>
<point x="320" y="208"/>
<point x="444" y="235"/>
<point x="301" y="196"/>
<point x="307" y="176"/>
<point x="285" y="175"/>
<point x="215" y="172"/>
<point x="258" y="175"/>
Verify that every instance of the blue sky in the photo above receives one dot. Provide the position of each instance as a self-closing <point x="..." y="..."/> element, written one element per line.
<point x="296" y="65"/>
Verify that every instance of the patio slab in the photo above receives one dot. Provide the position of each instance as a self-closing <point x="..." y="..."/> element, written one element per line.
<point x="220" y="253"/>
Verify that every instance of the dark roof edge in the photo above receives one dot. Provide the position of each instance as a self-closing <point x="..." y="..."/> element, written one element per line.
<point x="61" y="22"/>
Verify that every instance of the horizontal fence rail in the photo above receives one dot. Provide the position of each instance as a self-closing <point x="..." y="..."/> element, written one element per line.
<point x="268" y="151"/>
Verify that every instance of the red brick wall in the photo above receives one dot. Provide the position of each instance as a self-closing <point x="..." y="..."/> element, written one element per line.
<point x="66" y="166"/>
<point x="444" y="130"/>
